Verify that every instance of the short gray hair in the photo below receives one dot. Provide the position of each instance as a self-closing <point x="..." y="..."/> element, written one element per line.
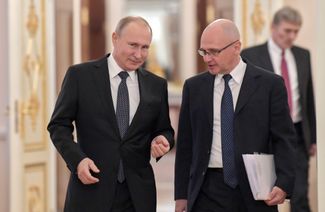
<point x="129" y="19"/>
<point x="287" y="14"/>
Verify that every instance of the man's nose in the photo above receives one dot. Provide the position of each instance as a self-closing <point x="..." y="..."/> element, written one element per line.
<point x="207" y="58"/>
<point x="138" y="53"/>
<point x="292" y="36"/>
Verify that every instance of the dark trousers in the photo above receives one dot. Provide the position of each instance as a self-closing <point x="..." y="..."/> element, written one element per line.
<point x="122" y="201"/>
<point x="299" y="201"/>
<point x="216" y="196"/>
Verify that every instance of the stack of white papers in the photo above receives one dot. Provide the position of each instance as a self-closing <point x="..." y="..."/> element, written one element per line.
<point x="261" y="174"/>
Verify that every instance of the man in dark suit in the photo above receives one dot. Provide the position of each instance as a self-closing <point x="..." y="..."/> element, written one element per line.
<point x="121" y="116"/>
<point x="235" y="108"/>
<point x="273" y="55"/>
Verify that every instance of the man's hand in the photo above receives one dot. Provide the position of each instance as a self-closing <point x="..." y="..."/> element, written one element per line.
<point x="83" y="171"/>
<point x="159" y="146"/>
<point x="312" y="150"/>
<point x="181" y="205"/>
<point x="277" y="196"/>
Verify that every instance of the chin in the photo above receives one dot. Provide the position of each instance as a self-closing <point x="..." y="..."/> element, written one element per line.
<point x="214" y="72"/>
<point x="135" y="66"/>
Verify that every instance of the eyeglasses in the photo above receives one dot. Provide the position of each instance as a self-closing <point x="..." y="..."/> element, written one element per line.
<point x="214" y="52"/>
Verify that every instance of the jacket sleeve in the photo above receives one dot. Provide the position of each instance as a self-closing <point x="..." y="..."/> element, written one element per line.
<point x="184" y="148"/>
<point x="283" y="137"/>
<point x="311" y="114"/>
<point x="163" y="126"/>
<point x="61" y="124"/>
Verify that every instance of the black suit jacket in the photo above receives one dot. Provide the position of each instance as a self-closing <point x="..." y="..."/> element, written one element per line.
<point x="85" y="98"/>
<point x="262" y="124"/>
<point x="260" y="56"/>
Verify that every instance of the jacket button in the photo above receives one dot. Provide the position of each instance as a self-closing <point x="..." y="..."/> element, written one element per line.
<point x="208" y="152"/>
<point x="203" y="173"/>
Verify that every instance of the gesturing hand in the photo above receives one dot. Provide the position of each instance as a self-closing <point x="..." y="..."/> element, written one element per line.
<point x="159" y="146"/>
<point x="83" y="170"/>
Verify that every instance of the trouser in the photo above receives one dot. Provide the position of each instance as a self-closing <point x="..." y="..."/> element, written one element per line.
<point x="122" y="201"/>
<point x="299" y="201"/>
<point x="216" y="196"/>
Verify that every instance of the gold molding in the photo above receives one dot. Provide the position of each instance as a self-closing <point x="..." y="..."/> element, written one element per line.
<point x="32" y="105"/>
<point x="257" y="20"/>
<point x="256" y="16"/>
<point x="35" y="187"/>
<point x="210" y="11"/>
<point x="32" y="67"/>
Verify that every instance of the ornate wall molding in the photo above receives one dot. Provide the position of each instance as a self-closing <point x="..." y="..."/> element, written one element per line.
<point x="255" y="19"/>
<point x="33" y="103"/>
<point x="35" y="187"/>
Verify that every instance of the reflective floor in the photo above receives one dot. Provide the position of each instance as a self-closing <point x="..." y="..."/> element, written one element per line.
<point x="164" y="174"/>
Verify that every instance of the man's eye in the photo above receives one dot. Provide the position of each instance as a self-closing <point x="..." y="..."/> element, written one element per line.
<point x="133" y="45"/>
<point x="214" y="51"/>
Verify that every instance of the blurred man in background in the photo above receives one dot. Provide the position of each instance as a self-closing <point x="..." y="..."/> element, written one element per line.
<point x="280" y="55"/>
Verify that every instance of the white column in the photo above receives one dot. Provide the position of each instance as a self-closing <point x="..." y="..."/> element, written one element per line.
<point x="187" y="50"/>
<point x="51" y="86"/>
<point x="319" y="77"/>
<point x="15" y="148"/>
<point x="76" y="31"/>
<point x="115" y="10"/>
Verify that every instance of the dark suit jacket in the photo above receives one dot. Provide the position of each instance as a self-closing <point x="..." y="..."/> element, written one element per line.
<point x="261" y="121"/>
<point x="259" y="55"/>
<point x="85" y="98"/>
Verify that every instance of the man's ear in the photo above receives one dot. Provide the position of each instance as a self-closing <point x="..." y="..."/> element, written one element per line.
<point x="114" y="37"/>
<point x="238" y="46"/>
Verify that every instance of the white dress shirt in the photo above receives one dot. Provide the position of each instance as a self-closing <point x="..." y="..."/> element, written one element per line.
<point x="132" y="83"/>
<point x="235" y="83"/>
<point x="275" y="53"/>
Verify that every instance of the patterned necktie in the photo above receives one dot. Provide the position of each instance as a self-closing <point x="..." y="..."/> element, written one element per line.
<point x="122" y="115"/>
<point x="285" y="76"/>
<point x="227" y="138"/>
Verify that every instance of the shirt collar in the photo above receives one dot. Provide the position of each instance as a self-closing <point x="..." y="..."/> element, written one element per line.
<point x="114" y="69"/>
<point x="237" y="73"/>
<point x="274" y="47"/>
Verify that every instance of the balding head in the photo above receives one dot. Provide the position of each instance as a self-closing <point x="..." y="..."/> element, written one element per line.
<point x="220" y="46"/>
<point x="223" y="29"/>
<point x="124" y="22"/>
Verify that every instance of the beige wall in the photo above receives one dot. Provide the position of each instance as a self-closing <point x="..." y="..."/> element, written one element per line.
<point x="320" y="98"/>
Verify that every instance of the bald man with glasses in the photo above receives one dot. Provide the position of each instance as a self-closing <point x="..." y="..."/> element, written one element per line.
<point x="234" y="108"/>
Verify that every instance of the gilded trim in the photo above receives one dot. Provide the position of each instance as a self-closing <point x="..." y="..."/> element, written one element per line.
<point x="35" y="187"/>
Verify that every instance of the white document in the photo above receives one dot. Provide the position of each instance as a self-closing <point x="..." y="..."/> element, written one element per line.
<point x="261" y="174"/>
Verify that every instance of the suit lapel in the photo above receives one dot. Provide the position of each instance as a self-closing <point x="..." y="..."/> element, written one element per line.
<point x="248" y="87"/>
<point x="300" y="65"/>
<point x="102" y="82"/>
<point x="208" y="98"/>
<point x="266" y="58"/>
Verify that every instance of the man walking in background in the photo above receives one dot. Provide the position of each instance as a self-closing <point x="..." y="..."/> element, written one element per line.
<point x="281" y="56"/>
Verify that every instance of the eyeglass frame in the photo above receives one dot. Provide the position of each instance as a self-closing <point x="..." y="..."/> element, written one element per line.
<point x="214" y="52"/>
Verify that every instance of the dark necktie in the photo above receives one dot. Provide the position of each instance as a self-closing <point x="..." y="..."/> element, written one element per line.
<point x="227" y="138"/>
<point x="285" y="76"/>
<point x="122" y="115"/>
